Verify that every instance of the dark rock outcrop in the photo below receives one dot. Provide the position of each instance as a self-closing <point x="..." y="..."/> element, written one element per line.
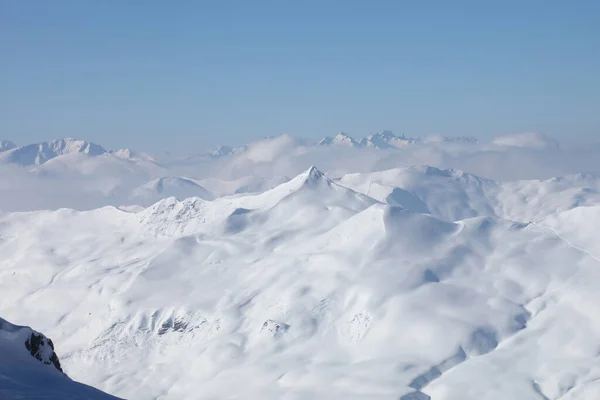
<point x="42" y="349"/>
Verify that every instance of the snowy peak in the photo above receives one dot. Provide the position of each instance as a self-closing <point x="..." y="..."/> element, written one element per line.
<point x="313" y="185"/>
<point x="381" y="140"/>
<point x="309" y="178"/>
<point x="313" y="174"/>
<point x="39" y="153"/>
<point x="6" y="145"/>
<point x="129" y="154"/>
<point x="386" y="140"/>
<point x="341" y="139"/>
<point x="69" y="145"/>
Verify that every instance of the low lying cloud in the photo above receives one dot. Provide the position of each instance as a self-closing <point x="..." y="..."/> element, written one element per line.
<point x="527" y="140"/>
<point x="511" y="157"/>
<point x="85" y="182"/>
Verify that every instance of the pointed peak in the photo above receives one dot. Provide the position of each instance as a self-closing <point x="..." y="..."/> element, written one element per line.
<point x="385" y="134"/>
<point x="313" y="174"/>
<point x="310" y="177"/>
<point x="341" y="139"/>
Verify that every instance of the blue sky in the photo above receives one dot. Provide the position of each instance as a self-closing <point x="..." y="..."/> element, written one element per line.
<point x="194" y="74"/>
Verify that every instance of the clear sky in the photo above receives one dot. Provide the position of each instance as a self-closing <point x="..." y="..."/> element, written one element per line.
<point x="194" y="74"/>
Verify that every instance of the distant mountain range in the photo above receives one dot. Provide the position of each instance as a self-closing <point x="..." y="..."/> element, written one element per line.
<point x="40" y="153"/>
<point x="387" y="140"/>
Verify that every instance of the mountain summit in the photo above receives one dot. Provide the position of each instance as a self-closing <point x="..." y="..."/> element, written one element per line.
<point x="39" y="153"/>
<point x="341" y="139"/>
<point x="386" y="140"/>
<point x="381" y="140"/>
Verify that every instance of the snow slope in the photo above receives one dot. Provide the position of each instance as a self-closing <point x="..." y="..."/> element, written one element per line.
<point x="312" y="290"/>
<point x="30" y="369"/>
<point x="453" y="194"/>
<point x="341" y="139"/>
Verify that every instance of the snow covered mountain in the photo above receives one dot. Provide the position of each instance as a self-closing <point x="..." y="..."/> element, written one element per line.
<point x="39" y="153"/>
<point x="341" y="139"/>
<point x="454" y="195"/>
<point x="129" y="154"/>
<point x="30" y="369"/>
<point x="386" y="140"/>
<point x="314" y="290"/>
<point x="382" y="140"/>
<point x="6" y="145"/>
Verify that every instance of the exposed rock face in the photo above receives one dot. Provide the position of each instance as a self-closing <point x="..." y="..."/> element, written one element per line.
<point x="42" y="349"/>
<point x="30" y="369"/>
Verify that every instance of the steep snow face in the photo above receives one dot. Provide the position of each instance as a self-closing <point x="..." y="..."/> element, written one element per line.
<point x="341" y="139"/>
<point x="454" y="195"/>
<point x="447" y="194"/>
<point x="37" y="154"/>
<point x="30" y="369"/>
<point x="311" y="290"/>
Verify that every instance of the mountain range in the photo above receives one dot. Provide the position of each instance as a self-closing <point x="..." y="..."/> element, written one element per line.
<point x="411" y="283"/>
<point x="39" y="153"/>
<point x="387" y="140"/>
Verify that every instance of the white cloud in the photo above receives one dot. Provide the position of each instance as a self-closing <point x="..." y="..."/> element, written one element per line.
<point x="81" y="181"/>
<point x="530" y="140"/>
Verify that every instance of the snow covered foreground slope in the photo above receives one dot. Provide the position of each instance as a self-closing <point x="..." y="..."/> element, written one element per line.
<point x="310" y="290"/>
<point x="30" y="369"/>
